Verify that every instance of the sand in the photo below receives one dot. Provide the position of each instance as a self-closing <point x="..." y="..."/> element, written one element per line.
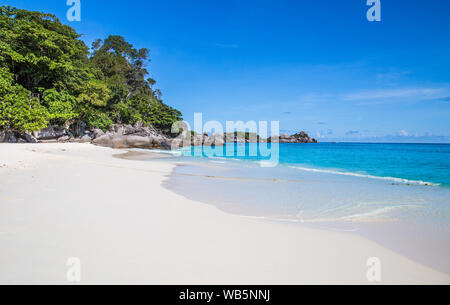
<point x="62" y="201"/>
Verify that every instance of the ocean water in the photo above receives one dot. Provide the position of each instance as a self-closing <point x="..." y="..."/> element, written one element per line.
<point x="324" y="182"/>
<point x="398" y="195"/>
<point x="404" y="163"/>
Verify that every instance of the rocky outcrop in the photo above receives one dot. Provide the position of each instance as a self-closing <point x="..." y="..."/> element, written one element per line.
<point x="214" y="140"/>
<point x="127" y="136"/>
<point x="121" y="136"/>
<point x="97" y="133"/>
<point x="85" y="139"/>
<point x="10" y="136"/>
<point x="51" y="133"/>
<point x="138" y="136"/>
<point x="301" y="137"/>
<point x="29" y="138"/>
<point x="16" y="137"/>
<point x="197" y="140"/>
<point x="242" y="137"/>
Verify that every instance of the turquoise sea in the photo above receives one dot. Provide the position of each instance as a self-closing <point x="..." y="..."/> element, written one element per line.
<point x="407" y="163"/>
<point x="395" y="194"/>
<point x="321" y="182"/>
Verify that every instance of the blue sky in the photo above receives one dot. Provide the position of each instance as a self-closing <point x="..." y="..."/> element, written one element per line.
<point x="318" y="66"/>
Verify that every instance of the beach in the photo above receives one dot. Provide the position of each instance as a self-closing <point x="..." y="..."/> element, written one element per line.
<point x="62" y="201"/>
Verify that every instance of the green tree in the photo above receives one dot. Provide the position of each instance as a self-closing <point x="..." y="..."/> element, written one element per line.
<point x="61" y="106"/>
<point x="132" y="96"/>
<point x="18" y="111"/>
<point x="41" y="57"/>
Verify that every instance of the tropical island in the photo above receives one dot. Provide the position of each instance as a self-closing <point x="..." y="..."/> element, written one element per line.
<point x="55" y="88"/>
<point x="50" y="79"/>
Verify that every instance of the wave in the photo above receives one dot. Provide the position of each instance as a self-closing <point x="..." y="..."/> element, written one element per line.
<point x="371" y="215"/>
<point x="394" y="179"/>
<point x="176" y="153"/>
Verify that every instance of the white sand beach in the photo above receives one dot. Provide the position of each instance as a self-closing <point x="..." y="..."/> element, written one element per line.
<point x="59" y="201"/>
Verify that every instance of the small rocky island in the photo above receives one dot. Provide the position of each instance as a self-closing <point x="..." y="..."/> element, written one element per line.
<point x="138" y="136"/>
<point x="301" y="137"/>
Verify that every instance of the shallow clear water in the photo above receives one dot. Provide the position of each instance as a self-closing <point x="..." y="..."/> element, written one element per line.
<point x="395" y="194"/>
<point x="323" y="182"/>
<point x="414" y="163"/>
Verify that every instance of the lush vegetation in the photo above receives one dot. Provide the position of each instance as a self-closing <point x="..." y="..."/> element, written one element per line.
<point x="49" y="76"/>
<point x="242" y="135"/>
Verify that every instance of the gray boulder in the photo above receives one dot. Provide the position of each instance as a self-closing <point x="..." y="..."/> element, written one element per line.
<point x="16" y="137"/>
<point x="301" y="137"/>
<point x="64" y="139"/>
<point x="128" y="130"/>
<point x="138" y="142"/>
<point x="10" y="137"/>
<point x="29" y="138"/>
<point x="197" y="140"/>
<point x="96" y="133"/>
<point x="138" y="125"/>
<point x="86" y="139"/>
<point x="127" y="136"/>
<point x="51" y="133"/>
<point x="215" y="140"/>
<point x="119" y="141"/>
<point x="105" y="140"/>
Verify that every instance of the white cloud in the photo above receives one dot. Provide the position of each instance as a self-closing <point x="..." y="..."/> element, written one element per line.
<point x="403" y="133"/>
<point x="394" y="93"/>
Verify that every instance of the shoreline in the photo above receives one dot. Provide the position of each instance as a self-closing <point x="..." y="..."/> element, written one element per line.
<point x="419" y="242"/>
<point x="76" y="200"/>
<point x="424" y="244"/>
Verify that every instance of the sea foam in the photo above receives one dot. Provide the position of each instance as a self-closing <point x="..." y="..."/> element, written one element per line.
<point x="393" y="179"/>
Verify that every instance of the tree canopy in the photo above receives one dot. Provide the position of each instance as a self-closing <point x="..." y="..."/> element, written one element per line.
<point x="49" y="76"/>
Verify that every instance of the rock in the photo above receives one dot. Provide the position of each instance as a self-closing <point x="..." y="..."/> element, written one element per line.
<point x="301" y="137"/>
<point x="138" y="142"/>
<point x="10" y="137"/>
<point x="64" y="139"/>
<point x="164" y="145"/>
<point x="96" y="133"/>
<point x="128" y="130"/>
<point x="119" y="141"/>
<point x="85" y="139"/>
<point x="88" y="133"/>
<point x="105" y="140"/>
<point x="215" y="140"/>
<point x="174" y="143"/>
<point x="51" y="133"/>
<point x="127" y="136"/>
<point x="29" y="138"/>
<point x="119" y="129"/>
<point x="198" y="140"/>
<point x="138" y="125"/>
